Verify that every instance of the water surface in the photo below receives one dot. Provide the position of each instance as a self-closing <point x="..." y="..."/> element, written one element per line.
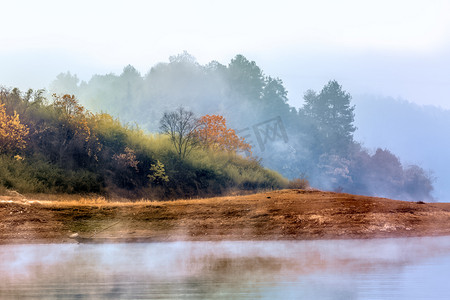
<point x="411" y="268"/>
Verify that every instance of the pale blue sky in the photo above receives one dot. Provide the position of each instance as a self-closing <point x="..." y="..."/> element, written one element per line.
<point x="393" y="48"/>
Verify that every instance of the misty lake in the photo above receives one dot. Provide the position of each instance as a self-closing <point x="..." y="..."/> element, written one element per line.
<point x="410" y="268"/>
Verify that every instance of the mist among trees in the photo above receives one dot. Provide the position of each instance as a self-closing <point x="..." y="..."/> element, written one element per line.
<point x="315" y="141"/>
<point x="415" y="133"/>
<point x="57" y="146"/>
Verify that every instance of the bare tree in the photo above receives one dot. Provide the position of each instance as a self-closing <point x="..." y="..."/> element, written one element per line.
<point x="180" y="125"/>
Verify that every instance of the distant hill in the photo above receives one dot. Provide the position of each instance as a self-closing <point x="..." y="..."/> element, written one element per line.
<point x="418" y="134"/>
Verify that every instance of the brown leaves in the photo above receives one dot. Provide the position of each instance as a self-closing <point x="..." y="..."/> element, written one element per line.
<point x="127" y="159"/>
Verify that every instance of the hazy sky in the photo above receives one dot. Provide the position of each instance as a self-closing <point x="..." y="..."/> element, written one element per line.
<point x="393" y="48"/>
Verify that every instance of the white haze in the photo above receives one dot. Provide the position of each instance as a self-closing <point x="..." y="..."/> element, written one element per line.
<point x="417" y="134"/>
<point x="185" y="82"/>
<point x="398" y="49"/>
<point x="412" y="268"/>
<point x="395" y="48"/>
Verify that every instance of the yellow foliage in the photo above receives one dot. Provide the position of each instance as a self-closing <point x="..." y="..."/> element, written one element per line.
<point x="75" y="114"/>
<point x="12" y="132"/>
<point x="158" y="175"/>
<point x="75" y="120"/>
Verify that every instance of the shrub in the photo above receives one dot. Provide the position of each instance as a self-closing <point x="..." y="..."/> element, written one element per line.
<point x="158" y="173"/>
<point x="70" y="150"/>
<point x="298" y="183"/>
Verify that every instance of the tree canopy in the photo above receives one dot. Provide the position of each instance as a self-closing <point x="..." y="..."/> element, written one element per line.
<point x="180" y="125"/>
<point x="72" y="150"/>
<point x="332" y="113"/>
<point x="12" y="132"/>
<point x="317" y="141"/>
<point x="214" y="134"/>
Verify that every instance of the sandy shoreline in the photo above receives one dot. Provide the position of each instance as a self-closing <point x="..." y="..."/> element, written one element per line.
<point x="276" y="215"/>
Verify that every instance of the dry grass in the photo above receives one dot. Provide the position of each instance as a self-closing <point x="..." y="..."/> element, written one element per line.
<point x="284" y="214"/>
<point x="298" y="183"/>
<point x="99" y="201"/>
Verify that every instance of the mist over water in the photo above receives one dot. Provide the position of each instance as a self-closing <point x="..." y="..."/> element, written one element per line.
<point x="413" y="268"/>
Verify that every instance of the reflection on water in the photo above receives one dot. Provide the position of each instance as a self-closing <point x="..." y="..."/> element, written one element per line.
<point x="349" y="269"/>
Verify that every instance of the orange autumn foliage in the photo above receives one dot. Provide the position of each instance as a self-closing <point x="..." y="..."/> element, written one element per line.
<point x="214" y="134"/>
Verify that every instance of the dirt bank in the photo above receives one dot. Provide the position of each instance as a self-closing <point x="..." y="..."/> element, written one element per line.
<point x="276" y="215"/>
